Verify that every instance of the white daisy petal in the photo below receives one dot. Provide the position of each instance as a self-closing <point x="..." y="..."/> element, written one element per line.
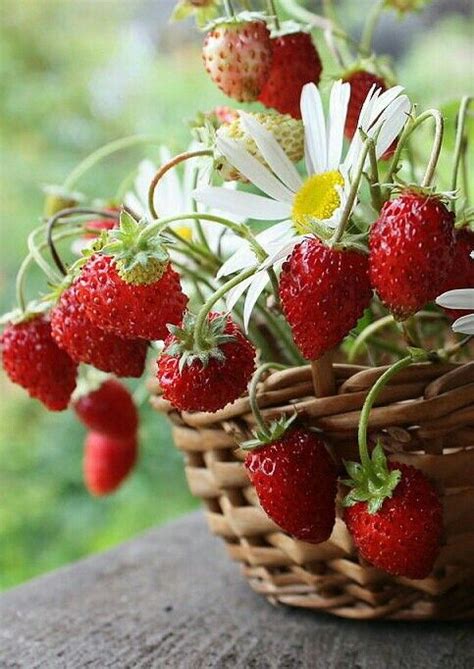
<point x="242" y="259"/>
<point x="391" y="122"/>
<point x="253" y="170"/>
<point x="462" y="298"/>
<point x="272" y="152"/>
<point x="132" y="201"/>
<point x="385" y="99"/>
<point x="256" y="288"/>
<point x="340" y="94"/>
<point x="315" y="128"/>
<point x="282" y="253"/>
<point x="234" y="295"/>
<point x="243" y="204"/>
<point x="363" y="122"/>
<point x="464" y="325"/>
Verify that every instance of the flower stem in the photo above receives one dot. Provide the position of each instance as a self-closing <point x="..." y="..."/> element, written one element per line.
<point x="164" y="169"/>
<point x="253" y="393"/>
<point x="461" y="142"/>
<point x="38" y="258"/>
<point x="353" y="192"/>
<point x="272" y="12"/>
<point x="229" y="10"/>
<point x="370" y="399"/>
<point x="372" y="20"/>
<point x="199" y="228"/>
<point x="366" y="333"/>
<point x="375" y="190"/>
<point x="104" y="152"/>
<point x="206" y="308"/>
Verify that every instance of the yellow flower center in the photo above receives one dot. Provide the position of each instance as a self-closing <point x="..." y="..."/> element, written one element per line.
<point x="185" y="232"/>
<point x="317" y="198"/>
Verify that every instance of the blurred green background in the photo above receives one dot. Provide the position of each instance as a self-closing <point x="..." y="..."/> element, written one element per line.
<point x="74" y="75"/>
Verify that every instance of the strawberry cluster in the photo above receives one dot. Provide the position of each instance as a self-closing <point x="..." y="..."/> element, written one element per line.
<point x="356" y="247"/>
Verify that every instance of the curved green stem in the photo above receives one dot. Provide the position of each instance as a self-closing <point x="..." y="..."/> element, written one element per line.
<point x="374" y="180"/>
<point x="104" y="152"/>
<point x="272" y="12"/>
<point x="460" y="144"/>
<point x="253" y="393"/>
<point x="199" y="228"/>
<point x="354" y="190"/>
<point x="38" y="258"/>
<point x="165" y="168"/>
<point x="369" y="402"/>
<point x="206" y="308"/>
<point x="372" y="20"/>
<point x="367" y="332"/>
<point x="229" y="10"/>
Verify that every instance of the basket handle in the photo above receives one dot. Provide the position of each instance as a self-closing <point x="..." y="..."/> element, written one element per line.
<point x="324" y="380"/>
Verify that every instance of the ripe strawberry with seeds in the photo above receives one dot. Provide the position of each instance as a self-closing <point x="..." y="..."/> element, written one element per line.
<point x="411" y="248"/>
<point x="130" y="288"/>
<point x="108" y="409"/>
<point x="323" y="292"/>
<point x="33" y="360"/>
<point x="107" y="462"/>
<point x="403" y="535"/>
<point x="207" y="376"/>
<point x="295" y="62"/>
<point x="237" y="55"/>
<point x="296" y="481"/>
<point x="461" y="273"/>
<point x="74" y="332"/>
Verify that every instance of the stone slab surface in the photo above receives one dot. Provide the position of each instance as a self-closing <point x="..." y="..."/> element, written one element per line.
<point x="171" y="598"/>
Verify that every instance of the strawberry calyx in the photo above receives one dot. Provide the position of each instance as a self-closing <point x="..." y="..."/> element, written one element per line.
<point x="269" y="434"/>
<point x="32" y="310"/>
<point x="212" y="337"/>
<point x="289" y="28"/>
<point x="138" y="259"/>
<point x="203" y="10"/>
<point x="371" y="483"/>
<point x="237" y="21"/>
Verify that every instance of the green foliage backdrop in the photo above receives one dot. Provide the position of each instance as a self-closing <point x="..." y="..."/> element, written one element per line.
<point x="74" y="75"/>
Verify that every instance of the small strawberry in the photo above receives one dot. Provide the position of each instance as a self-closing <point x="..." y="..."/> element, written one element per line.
<point x="95" y="227"/>
<point x="107" y="462"/>
<point x="461" y="273"/>
<point x="87" y="343"/>
<point x="296" y="481"/>
<point x="323" y="292"/>
<point x="361" y="82"/>
<point x="411" y="248"/>
<point x="288" y="132"/>
<point x="130" y="288"/>
<point x="402" y="535"/>
<point x="237" y="55"/>
<point x="295" y="63"/>
<point x="33" y="360"/>
<point x="208" y="377"/>
<point x="109" y="409"/>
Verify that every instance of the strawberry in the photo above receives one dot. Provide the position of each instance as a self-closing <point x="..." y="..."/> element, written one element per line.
<point x="224" y="114"/>
<point x="109" y="409"/>
<point x="411" y="249"/>
<point x="107" y="461"/>
<point x="323" y="292"/>
<point x="85" y="342"/>
<point x="206" y="378"/>
<point x="296" y="483"/>
<point x="461" y="274"/>
<point x="361" y="82"/>
<point x="295" y="63"/>
<point x="95" y="227"/>
<point x="237" y="55"/>
<point x="33" y="360"/>
<point x="403" y="536"/>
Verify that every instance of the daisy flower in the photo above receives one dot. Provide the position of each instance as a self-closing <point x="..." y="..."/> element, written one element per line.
<point x="315" y="203"/>
<point x="463" y="298"/>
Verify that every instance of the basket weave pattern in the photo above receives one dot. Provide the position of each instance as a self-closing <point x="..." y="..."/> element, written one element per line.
<point x="424" y="417"/>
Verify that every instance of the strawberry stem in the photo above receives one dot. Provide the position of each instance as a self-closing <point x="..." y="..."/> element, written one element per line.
<point x="229" y="10"/>
<point x="372" y="20"/>
<point x="180" y="158"/>
<point x="273" y="14"/>
<point x="104" y="152"/>
<point x="264" y="428"/>
<point x="460" y="144"/>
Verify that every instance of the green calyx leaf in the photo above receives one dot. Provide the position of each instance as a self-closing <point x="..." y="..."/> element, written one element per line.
<point x="213" y="338"/>
<point x="372" y="483"/>
<point x="33" y="309"/>
<point x="236" y="21"/>
<point x="274" y="432"/>
<point x="139" y="260"/>
<point x="203" y="13"/>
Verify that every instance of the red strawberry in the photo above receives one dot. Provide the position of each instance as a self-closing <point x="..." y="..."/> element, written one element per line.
<point x="295" y="63"/>
<point x="361" y="82"/>
<point x="129" y="309"/>
<point x="323" y="291"/>
<point x="206" y="380"/>
<point x="97" y="225"/>
<point x="32" y="359"/>
<point x="411" y="248"/>
<point x="85" y="342"/>
<point x="109" y="409"/>
<point x="403" y="537"/>
<point x="296" y="481"/>
<point x="107" y="461"/>
<point x="461" y="274"/>
<point x="237" y="55"/>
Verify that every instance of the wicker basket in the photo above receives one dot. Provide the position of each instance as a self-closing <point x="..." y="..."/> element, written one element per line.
<point x="425" y="417"/>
